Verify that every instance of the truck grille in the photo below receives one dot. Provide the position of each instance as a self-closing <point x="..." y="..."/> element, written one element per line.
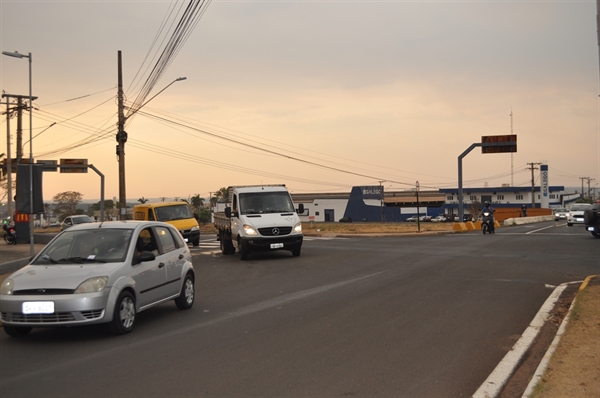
<point x="275" y="231"/>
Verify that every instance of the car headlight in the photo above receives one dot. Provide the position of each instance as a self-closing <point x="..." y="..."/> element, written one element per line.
<point x="250" y="231"/>
<point x="92" y="285"/>
<point x="298" y="228"/>
<point x="7" y="287"/>
<point x="196" y="228"/>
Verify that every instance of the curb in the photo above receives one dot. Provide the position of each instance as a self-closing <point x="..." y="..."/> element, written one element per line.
<point x="541" y="369"/>
<point x="496" y="381"/>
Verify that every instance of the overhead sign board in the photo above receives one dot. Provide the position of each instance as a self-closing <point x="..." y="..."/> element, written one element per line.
<point x="73" y="166"/>
<point x="49" y="165"/>
<point x="499" y="143"/>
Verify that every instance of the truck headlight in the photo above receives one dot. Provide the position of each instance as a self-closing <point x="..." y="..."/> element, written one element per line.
<point x="250" y="231"/>
<point x="298" y="228"/>
<point x="196" y="228"/>
<point x="92" y="285"/>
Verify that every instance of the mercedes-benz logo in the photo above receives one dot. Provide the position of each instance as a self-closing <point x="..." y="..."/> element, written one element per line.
<point x="275" y="231"/>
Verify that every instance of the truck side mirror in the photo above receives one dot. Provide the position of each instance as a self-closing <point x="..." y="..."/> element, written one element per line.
<point x="300" y="208"/>
<point x="228" y="212"/>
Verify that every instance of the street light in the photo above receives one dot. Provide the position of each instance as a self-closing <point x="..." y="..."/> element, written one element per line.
<point x="122" y="137"/>
<point x="31" y="242"/>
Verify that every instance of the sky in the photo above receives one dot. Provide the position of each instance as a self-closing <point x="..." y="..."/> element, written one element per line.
<point x="318" y="95"/>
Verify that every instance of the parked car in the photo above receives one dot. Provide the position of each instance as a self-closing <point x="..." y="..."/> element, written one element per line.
<point x="345" y="219"/>
<point x="412" y="219"/>
<point x="560" y="214"/>
<point x="425" y="218"/>
<point x="74" y="220"/>
<point x="99" y="273"/>
<point x="576" y="211"/>
<point x="439" y="218"/>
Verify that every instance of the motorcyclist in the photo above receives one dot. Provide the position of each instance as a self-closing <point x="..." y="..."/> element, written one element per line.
<point x="487" y="207"/>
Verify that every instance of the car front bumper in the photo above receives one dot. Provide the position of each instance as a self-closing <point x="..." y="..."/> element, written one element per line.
<point x="69" y="309"/>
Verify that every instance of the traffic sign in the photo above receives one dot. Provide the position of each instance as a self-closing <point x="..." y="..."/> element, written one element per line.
<point x="49" y="165"/>
<point x="499" y="143"/>
<point x="73" y="166"/>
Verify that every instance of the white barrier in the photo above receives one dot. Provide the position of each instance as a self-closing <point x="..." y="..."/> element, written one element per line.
<point x="527" y="220"/>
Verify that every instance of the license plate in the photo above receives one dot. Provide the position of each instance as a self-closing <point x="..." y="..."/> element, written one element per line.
<point x="276" y="245"/>
<point x="38" y="307"/>
<point x="580" y="219"/>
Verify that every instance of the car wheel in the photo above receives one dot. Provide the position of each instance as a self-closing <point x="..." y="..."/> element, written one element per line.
<point x="17" y="331"/>
<point x="124" y="314"/>
<point x="196" y="243"/>
<point x="186" y="297"/>
<point x="596" y="234"/>
<point x="243" y="252"/>
<point x="296" y="252"/>
<point x="569" y="224"/>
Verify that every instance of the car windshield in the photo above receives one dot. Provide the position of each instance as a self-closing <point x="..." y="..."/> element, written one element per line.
<point x="560" y="210"/>
<point x="265" y="202"/>
<point x="580" y="207"/>
<point x="176" y="212"/>
<point x="82" y="220"/>
<point x="87" y="246"/>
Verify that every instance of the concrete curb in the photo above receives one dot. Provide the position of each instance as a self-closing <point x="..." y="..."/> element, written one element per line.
<point x="496" y="381"/>
<point x="541" y="369"/>
<point x="527" y="220"/>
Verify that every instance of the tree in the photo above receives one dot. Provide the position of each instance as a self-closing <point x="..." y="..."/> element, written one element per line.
<point x="66" y="202"/>
<point x="109" y="207"/>
<point x="197" y="203"/>
<point x="204" y="216"/>
<point x="142" y="200"/>
<point x="221" y="195"/>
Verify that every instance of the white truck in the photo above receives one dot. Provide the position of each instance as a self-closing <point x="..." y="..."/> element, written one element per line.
<point x="259" y="218"/>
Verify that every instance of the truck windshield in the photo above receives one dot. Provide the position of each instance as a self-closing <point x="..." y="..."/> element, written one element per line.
<point x="170" y="213"/>
<point x="265" y="202"/>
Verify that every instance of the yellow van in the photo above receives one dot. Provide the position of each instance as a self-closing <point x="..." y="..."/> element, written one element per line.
<point x="177" y="214"/>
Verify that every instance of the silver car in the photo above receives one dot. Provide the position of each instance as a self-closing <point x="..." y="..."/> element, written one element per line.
<point x="575" y="215"/>
<point x="74" y="220"/>
<point x="99" y="273"/>
<point x="560" y="214"/>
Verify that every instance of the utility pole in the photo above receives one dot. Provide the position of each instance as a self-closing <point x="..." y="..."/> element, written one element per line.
<point x="532" y="168"/>
<point x="19" y="109"/>
<point x="121" y="139"/>
<point x="582" y="191"/>
<point x="589" y="191"/>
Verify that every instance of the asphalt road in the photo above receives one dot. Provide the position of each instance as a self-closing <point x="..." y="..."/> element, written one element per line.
<point x="399" y="316"/>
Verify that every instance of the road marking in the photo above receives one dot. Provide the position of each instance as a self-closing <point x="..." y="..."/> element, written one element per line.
<point x="540" y="229"/>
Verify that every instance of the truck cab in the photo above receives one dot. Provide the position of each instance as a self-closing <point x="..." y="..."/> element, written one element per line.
<point x="262" y="218"/>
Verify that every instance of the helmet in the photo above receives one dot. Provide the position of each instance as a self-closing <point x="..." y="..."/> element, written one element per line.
<point x="487" y="203"/>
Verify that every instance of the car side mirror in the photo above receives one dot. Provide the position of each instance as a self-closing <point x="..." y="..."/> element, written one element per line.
<point x="228" y="212"/>
<point x="147" y="256"/>
<point x="300" y="208"/>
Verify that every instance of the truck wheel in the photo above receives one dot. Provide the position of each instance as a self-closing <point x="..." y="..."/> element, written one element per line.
<point x="243" y="252"/>
<point x="596" y="234"/>
<point x="196" y="242"/>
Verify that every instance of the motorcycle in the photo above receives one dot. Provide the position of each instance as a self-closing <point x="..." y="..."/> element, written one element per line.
<point x="487" y="225"/>
<point x="10" y="235"/>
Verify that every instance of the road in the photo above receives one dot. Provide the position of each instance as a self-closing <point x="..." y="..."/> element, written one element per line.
<point x="396" y="316"/>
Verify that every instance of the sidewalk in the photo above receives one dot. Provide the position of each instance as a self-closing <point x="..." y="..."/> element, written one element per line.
<point x="13" y="257"/>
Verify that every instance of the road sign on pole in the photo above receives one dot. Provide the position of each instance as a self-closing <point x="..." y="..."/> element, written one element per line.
<point x="73" y="166"/>
<point x="499" y="143"/>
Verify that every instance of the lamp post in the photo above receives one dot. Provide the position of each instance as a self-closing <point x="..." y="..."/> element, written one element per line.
<point x="31" y="242"/>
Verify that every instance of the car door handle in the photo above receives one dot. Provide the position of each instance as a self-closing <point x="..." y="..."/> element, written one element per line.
<point x="160" y="265"/>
